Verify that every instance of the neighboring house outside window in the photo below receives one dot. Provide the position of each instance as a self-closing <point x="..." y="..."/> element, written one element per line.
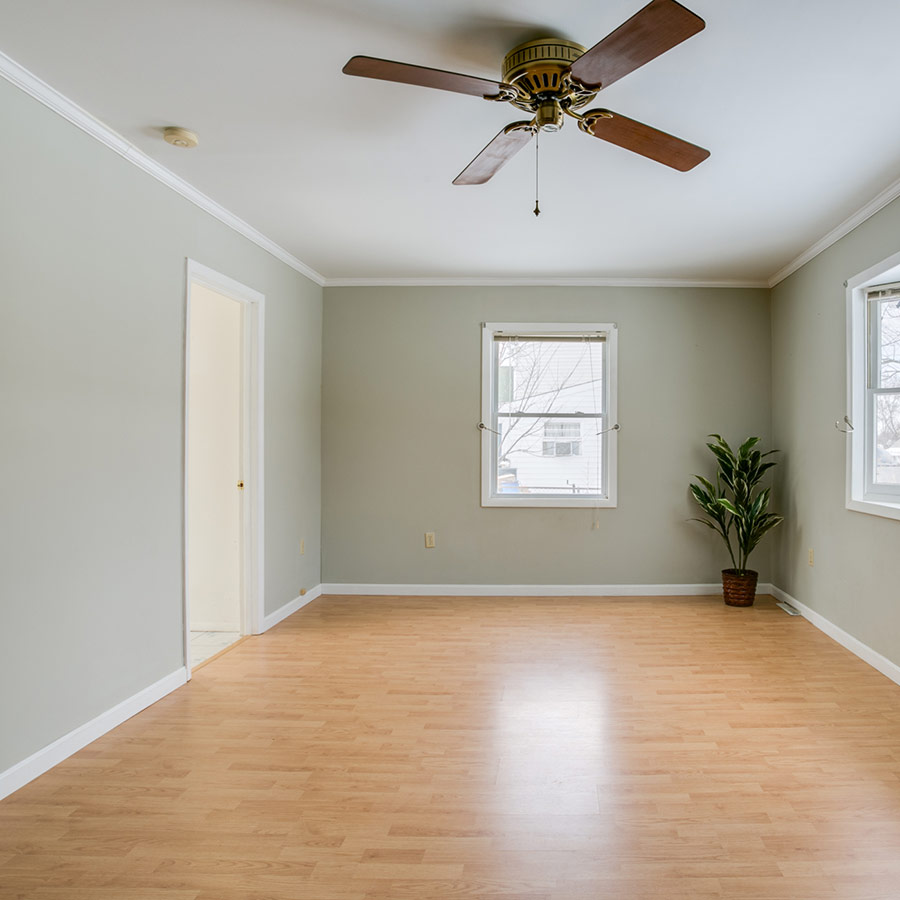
<point x="548" y="407"/>
<point x="873" y="471"/>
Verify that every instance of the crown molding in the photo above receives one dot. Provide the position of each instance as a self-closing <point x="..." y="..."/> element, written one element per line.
<point x="540" y="282"/>
<point x="53" y="99"/>
<point x="890" y="193"/>
<point x="28" y="82"/>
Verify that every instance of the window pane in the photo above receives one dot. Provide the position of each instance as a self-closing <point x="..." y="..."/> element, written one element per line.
<point x="887" y="438"/>
<point x="888" y="374"/>
<point x="535" y="458"/>
<point x="550" y="376"/>
<point x="505" y="384"/>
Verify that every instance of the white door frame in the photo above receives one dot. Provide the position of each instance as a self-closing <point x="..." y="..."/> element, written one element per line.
<point x="252" y="456"/>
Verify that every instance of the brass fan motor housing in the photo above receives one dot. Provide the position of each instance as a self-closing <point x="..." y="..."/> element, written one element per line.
<point x="538" y="66"/>
<point x="539" y="71"/>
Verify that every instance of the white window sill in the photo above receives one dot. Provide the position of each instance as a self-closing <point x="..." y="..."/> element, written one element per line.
<point x="514" y="500"/>
<point x="884" y="508"/>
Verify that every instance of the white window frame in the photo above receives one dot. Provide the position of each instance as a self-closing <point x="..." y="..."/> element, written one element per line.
<point x="489" y="379"/>
<point x="861" y="494"/>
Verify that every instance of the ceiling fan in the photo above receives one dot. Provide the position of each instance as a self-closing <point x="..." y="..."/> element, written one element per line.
<point x="553" y="78"/>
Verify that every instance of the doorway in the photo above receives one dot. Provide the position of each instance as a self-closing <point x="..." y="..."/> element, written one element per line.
<point x="223" y="470"/>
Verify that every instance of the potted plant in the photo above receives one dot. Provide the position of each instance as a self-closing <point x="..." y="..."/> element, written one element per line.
<point x="736" y="507"/>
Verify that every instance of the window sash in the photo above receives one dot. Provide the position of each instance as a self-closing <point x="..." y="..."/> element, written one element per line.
<point x="563" y="337"/>
<point x="874" y="297"/>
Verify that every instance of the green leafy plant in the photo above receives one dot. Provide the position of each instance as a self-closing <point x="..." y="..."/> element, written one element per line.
<point x="736" y="508"/>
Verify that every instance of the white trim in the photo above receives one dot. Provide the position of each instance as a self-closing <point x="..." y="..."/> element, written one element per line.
<point x="874" y="508"/>
<point x="46" y="758"/>
<point x="290" y="608"/>
<point x="528" y="590"/>
<point x="216" y="626"/>
<point x="222" y="284"/>
<point x="854" y="645"/>
<point x="50" y="97"/>
<point x="537" y="281"/>
<point x="253" y="305"/>
<point x="888" y="195"/>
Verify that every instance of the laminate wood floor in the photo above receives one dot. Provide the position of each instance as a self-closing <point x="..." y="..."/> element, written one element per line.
<point x="491" y="748"/>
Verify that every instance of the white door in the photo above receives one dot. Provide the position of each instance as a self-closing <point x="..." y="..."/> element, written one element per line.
<point x="214" y="469"/>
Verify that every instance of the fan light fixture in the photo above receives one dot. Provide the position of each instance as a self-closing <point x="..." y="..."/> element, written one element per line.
<point x="552" y="79"/>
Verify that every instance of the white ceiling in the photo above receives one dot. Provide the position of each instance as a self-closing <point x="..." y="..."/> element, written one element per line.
<point x="796" y="99"/>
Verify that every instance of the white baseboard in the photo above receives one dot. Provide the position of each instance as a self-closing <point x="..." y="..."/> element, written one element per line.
<point x="527" y="590"/>
<point x="45" y="759"/>
<point x="215" y="626"/>
<point x="863" y="651"/>
<point x="290" y="608"/>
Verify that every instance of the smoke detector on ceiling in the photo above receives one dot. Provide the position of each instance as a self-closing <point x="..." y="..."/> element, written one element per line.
<point x="181" y="137"/>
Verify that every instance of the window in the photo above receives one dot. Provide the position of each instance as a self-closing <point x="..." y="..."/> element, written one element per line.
<point x="548" y="415"/>
<point x="883" y="389"/>
<point x="873" y="483"/>
<point x="571" y="443"/>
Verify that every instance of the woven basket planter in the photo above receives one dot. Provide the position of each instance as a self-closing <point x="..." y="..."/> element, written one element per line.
<point x="739" y="590"/>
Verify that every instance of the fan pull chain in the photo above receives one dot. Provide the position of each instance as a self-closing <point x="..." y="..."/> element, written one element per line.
<point x="537" y="183"/>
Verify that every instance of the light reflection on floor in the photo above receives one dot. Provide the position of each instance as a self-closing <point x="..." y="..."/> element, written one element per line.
<point x="551" y="725"/>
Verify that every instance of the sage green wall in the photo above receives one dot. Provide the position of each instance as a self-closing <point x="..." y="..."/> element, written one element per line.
<point x="855" y="581"/>
<point x="92" y="263"/>
<point x="402" y="375"/>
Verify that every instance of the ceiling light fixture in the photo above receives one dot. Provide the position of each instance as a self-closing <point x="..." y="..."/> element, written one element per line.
<point x="181" y="137"/>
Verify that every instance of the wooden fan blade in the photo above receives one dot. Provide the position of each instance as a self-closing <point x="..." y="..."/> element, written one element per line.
<point x="404" y="73"/>
<point x="659" y="26"/>
<point x="497" y="153"/>
<point x="650" y="142"/>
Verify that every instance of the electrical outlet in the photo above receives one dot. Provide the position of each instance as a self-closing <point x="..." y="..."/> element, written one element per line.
<point x="812" y="557"/>
<point x="302" y="547"/>
<point x="429" y="540"/>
